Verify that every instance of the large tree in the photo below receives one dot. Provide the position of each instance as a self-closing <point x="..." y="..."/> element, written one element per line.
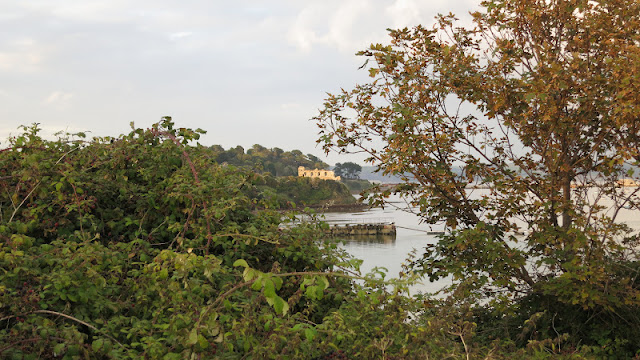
<point x="348" y="170"/>
<point x="538" y="104"/>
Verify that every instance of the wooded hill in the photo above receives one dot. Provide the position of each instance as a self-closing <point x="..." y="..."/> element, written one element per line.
<point x="261" y="159"/>
<point x="279" y="180"/>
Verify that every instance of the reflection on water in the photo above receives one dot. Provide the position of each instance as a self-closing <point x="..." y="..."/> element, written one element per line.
<point x="411" y="236"/>
<point x="384" y="251"/>
<point x="385" y="240"/>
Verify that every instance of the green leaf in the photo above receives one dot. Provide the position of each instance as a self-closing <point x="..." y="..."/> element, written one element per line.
<point x="280" y="306"/>
<point x="193" y="337"/>
<point x="278" y="282"/>
<point x="58" y="349"/>
<point x="241" y="262"/>
<point x="311" y="292"/>
<point x="324" y="282"/>
<point x="269" y="288"/>
<point x="202" y="342"/>
<point x="249" y="274"/>
<point x="310" y="333"/>
<point x="256" y="285"/>
<point x="164" y="273"/>
<point x="97" y="344"/>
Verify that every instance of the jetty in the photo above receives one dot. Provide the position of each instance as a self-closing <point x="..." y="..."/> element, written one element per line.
<point x="363" y="227"/>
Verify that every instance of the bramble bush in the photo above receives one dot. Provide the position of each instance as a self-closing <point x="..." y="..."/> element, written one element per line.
<point x="142" y="246"/>
<point x="125" y="247"/>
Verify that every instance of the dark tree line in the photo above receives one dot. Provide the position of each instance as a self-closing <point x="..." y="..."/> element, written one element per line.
<point x="348" y="170"/>
<point x="259" y="158"/>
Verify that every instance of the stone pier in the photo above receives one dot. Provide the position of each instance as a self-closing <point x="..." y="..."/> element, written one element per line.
<point x="362" y="229"/>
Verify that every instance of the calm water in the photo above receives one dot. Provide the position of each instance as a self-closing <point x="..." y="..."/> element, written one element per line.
<point x="385" y="251"/>
<point x="411" y="235"/>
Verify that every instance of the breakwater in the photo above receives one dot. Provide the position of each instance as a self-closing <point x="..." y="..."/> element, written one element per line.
<point x="341" y="207"/>
<point x="362" y="229"/>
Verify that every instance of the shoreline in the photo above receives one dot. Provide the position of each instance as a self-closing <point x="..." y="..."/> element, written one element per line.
<point x="341" y="207"/>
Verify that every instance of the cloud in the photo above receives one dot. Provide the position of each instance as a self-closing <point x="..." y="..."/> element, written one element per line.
<point x="290" y="106"/>
<point x="180" y="35"/>
<point x="350" y="25"/>
<point x="301" y="33"/>
<point x="81" y="11"/>
<point x="20" y="61"/>
<point x="23" y="55"/>
<point x="261" y="68"/>
<point x="404" y="13"/>
<point x="338" y="24"/>
<point x="58" y="99"/>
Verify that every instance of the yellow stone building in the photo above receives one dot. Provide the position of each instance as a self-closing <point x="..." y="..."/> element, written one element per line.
<point x="628" y="183"/>
<point x="317" y="174"/>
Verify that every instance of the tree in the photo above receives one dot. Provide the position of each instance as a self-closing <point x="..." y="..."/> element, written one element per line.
<point x="258" y="158"/>
<point x="348" y="170"/>
<point x="537" y="101"/>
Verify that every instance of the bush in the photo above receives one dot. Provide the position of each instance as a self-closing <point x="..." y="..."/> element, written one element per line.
<point x="125" y="247"/>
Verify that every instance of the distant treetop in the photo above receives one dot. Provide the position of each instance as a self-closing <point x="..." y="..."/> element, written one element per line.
<point x="275" y="161"/>
<point x="348" y="170"/>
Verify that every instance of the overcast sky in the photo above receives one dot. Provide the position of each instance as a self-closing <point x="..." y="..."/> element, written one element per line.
<point x="246" y="71"/>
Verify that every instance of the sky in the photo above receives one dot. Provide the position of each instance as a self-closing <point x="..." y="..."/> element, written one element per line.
<point x="248" y="72"/>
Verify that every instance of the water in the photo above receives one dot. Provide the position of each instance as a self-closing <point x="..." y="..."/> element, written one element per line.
<point x="385" y="251"/>
<point x="411" y="235"/>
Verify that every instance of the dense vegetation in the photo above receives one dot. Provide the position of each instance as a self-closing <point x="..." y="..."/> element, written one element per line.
<point x="357" y="185"/>
<point x="307" y="191"/>
<point x="537" y="102"/>
<point x="142" y="247"/>
<point x="275" y="161"/>
<point x="280" y="175"/>
<point x="348" y="170"/>
<point x="148" y="246"/>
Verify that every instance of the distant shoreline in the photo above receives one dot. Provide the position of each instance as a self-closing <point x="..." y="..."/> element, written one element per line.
<point x="341" y="207"/>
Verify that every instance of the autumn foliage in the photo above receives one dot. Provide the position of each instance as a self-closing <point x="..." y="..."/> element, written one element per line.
<point x="520" y="123"/>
